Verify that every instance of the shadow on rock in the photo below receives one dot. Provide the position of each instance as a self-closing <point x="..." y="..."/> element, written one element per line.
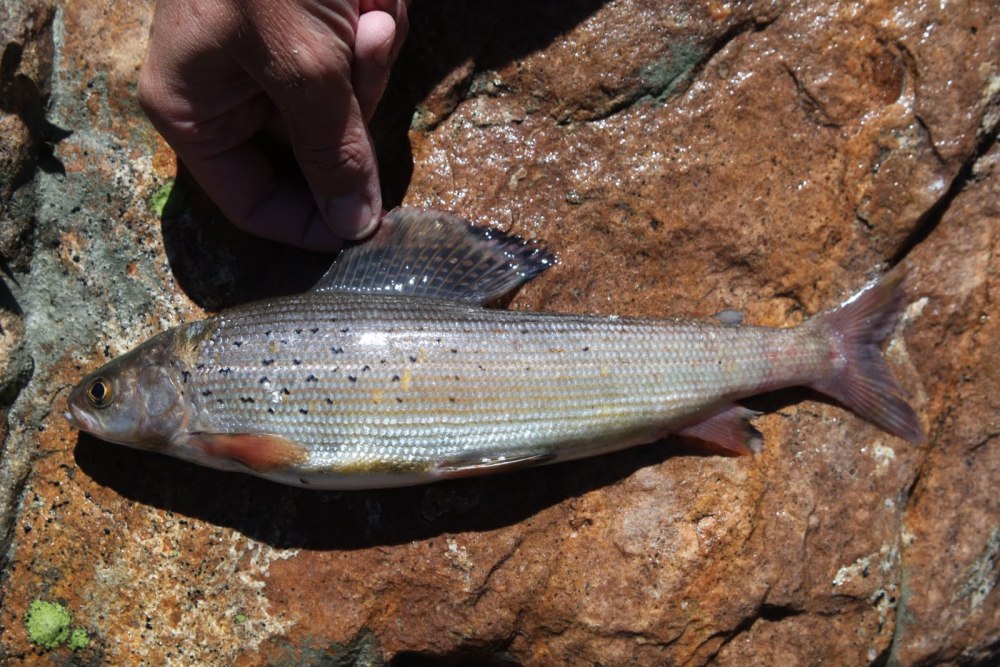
<point x="289" y="517"/>
<point x="218" y="266"/>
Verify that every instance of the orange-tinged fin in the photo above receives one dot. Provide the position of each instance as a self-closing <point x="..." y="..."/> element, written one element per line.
<point x="863" y="383"/>
<point x="474" y="466"/>
<point x="258" y="451"/>
<point x="729" y="428"/>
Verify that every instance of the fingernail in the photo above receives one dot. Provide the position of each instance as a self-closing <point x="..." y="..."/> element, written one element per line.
<point x="350" y="216"/>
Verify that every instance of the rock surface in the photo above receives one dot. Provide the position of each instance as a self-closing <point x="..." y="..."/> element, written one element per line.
<point x="681" y="158"/>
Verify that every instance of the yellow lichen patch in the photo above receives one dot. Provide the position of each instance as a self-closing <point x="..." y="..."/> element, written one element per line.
<point x="72" y="249"/>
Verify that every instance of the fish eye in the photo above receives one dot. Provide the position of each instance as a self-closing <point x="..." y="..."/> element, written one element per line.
<point x="99" y="393"/>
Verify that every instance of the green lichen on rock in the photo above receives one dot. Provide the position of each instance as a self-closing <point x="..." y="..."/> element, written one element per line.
<point x="48" y="623"/>
<point x="158" y="202"/>
<point x="78" y="639"/>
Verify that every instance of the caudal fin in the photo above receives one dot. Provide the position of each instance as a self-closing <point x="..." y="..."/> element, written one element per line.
<point x="863" y="383"/>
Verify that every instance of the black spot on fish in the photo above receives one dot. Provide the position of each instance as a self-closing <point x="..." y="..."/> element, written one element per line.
<point x="263" y="380"/>
<point x="454" y="350"/>
<point x="312" y="378"/>
<point x="314" y="330"/>
<point x="267" y="333"/>
<point x="366" y="368"/>
<point x="413" y="358"/>
<point x="399" y="399"/>
<point x="352" y="378"/>
<point x="219" y="400"/>
<point x="329" y="401"/>
<point x="395" y="378"/>
<point x="200" y="367"/>
<point x="345" y="330"/>
<point x="585" y="348"/>
<point x="284" y="390"/>
<point x="270" y="411"/>
<point x="297" y="362"/>
<point x="381" y="361"/>
<point x="337" y="350"/>
<point x="457" y="378"/>
<point x="186" y="375"/>
<point x="225" y="371"/>
<point x="246" y="399"/>
<point x="303" y="411"/>
<point x="452" y="399"/>
<point x="437" y="340"/>
<point x="237" y="343"/>
<point x="206" y="392"/>
<point x="298" y="331"/>
<point x="524" y="331"/>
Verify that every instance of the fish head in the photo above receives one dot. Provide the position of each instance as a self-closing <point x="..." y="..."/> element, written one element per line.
<point x="137" y="399"/>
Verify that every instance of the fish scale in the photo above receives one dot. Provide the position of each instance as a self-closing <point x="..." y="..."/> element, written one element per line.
<point x="390" y="371"/>
<point x="517" y="382"/>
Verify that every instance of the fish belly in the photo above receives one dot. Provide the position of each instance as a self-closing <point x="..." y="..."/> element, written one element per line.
<point x="382" y="390"/>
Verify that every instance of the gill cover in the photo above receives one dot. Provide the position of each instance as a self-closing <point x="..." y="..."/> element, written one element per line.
<point x="133" y="400"/>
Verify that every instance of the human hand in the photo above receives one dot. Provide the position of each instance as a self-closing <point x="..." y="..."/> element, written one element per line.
<point x="219" y="72"/>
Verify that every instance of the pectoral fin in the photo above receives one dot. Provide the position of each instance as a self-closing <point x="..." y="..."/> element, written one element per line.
<point x="258" y="451"/>
<point x="479" y="465"/>
<point x="728" y="427"/>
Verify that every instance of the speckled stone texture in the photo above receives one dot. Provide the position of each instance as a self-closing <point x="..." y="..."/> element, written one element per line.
<point x="681" y="158"/>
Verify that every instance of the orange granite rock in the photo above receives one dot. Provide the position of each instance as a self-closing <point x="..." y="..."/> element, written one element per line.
<point x="681" y="159"/>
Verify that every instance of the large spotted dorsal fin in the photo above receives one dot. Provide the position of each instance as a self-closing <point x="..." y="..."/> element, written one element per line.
<point x="436" y="254"/>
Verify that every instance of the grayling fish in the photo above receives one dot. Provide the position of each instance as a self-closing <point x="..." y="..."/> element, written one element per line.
<point x="390" y="372"/>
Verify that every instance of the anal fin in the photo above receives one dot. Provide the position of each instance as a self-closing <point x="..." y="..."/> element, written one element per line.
<point x="728" y="427"/>
<point x="481" y="465"/>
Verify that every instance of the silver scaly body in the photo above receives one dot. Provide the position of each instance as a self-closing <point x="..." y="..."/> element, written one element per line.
<point x="370" y="385"/>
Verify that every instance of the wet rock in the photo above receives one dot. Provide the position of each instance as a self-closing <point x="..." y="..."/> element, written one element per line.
<point x="26" y="137"/>
<point x="951" y="562"/>
<point x="682" y="159"/>
<point x="25" y="69"/>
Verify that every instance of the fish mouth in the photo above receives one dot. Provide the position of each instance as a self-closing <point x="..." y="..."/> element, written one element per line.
<point x="79" y="419"/>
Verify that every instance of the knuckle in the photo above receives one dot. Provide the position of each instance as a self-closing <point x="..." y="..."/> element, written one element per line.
<point x="308" y="65"/>
<point x="349" y="156"/>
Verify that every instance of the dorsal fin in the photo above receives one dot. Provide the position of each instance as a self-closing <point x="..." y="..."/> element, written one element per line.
<point x="436" y="254"/>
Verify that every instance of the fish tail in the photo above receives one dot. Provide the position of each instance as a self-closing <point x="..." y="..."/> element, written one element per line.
<point x="862" y="382"/>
